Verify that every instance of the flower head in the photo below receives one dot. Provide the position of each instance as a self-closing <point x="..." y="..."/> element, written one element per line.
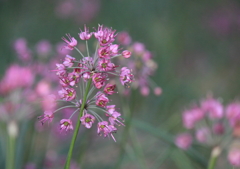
<point x="234" y="157"/>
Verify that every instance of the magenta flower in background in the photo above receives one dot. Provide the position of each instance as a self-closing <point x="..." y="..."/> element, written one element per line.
<point x="141" y="64"/>
<point x="183" y="141"/>
<point x="234" y="157"/>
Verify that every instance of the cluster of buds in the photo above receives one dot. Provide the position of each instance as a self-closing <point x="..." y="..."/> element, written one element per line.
<point x="86" y="82"/>
<point x="213" y="125"/>
<point x="141" y="63"/>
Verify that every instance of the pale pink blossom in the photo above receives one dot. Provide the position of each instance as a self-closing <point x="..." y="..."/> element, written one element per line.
<point x="43" y="47"/>
<point x="124" y="38"/>
<point x="67" y="94"/>
<point x="105" y="36"/>
<point x="126" y="77"/>
<point x="66" y="124"/>
<point x="102" y="100"/>
<point x="69" y="61"/>
<point x="213" y="108"/>
<point x="126" y="54"/>
<point x="157" y="91"/>
<point x="87" y="120"/>
<point x="47" y="116"/>
<point x="106" y="129"/>
<point x="234" y="157"/>
<point x="106" y="65"/>
<point x="191" y="117"/>
<point x="109" y="89"/>
<point x="145" y="91"/>
<point x="202" y="135"/>
<point x="99" y="80"/>
<point x="233" y="113"/>
<point x="85" y="35"/>
<point x="71" y="43"/>
<point x="183" y="141"/>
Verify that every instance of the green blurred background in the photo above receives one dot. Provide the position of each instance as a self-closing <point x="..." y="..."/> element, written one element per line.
<point x="195" y="44"/>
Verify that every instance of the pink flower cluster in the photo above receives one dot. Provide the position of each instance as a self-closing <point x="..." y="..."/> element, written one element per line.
<point x="74" y="74"/>
<point x="141" y="63"/>
<point x="209" y="123"/>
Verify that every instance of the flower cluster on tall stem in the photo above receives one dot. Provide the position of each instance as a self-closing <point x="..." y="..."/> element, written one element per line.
<point x="215" y="126"/>
<point x="86" y="84"/>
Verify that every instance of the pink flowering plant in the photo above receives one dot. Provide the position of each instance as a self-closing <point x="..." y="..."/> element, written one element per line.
<point x="141" y="63"/>
<point x="214" y="126"/>
<point x="86" y="84"/>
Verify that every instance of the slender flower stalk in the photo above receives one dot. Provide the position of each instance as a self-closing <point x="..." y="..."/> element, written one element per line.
<point x="67" y="164"/>
<point x="214" y="156"/>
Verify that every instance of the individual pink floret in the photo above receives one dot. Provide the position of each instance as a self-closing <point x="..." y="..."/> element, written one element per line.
<point x="43" y="47"/>
<point x="126" y="54"/>
<point x="85" y="35"/>
<point x="106" y="65"/>
<point x="61" y="70"/>
<point x="124" y="38"/>
<point x="71" y="43"/>
<point x="106" y="129"/>
<point x="126" y="77"/>
<point x="113" y="119"/>
<point x="69" y="61"/>
<point x="233" y="113"/>
<point x="234" y="157"/>
<point x="183" y="141"/>
<point x="105" y="36"/>
<point x="202" y="135"/>
<point x="87" y="120"/>
<point x="47" y="116"/>
<point x="191" y="117"/>
<point x="157" y="91"/>
<point x="102" y="100"/>
<point x="99" y="80"/>
<point x="145" y="90"/>
<point x="109" y="89"/>
<point x="66" y="124"/>
<point x="110" y="109"/>
<point x="107" y="52"/>
<point x="67" y="94"/>
<point x="213" y="108"/>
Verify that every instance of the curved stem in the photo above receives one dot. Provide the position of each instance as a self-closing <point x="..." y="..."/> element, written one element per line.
<point x="67" y="164"/>
<point x="213" y="159"/>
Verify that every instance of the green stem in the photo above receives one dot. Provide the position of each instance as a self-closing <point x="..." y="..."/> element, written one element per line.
<point x="213" y="159"/>
<point x="10" y="156"/>
<point x="67" y="164"/>
<point x="12" y="134"/>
